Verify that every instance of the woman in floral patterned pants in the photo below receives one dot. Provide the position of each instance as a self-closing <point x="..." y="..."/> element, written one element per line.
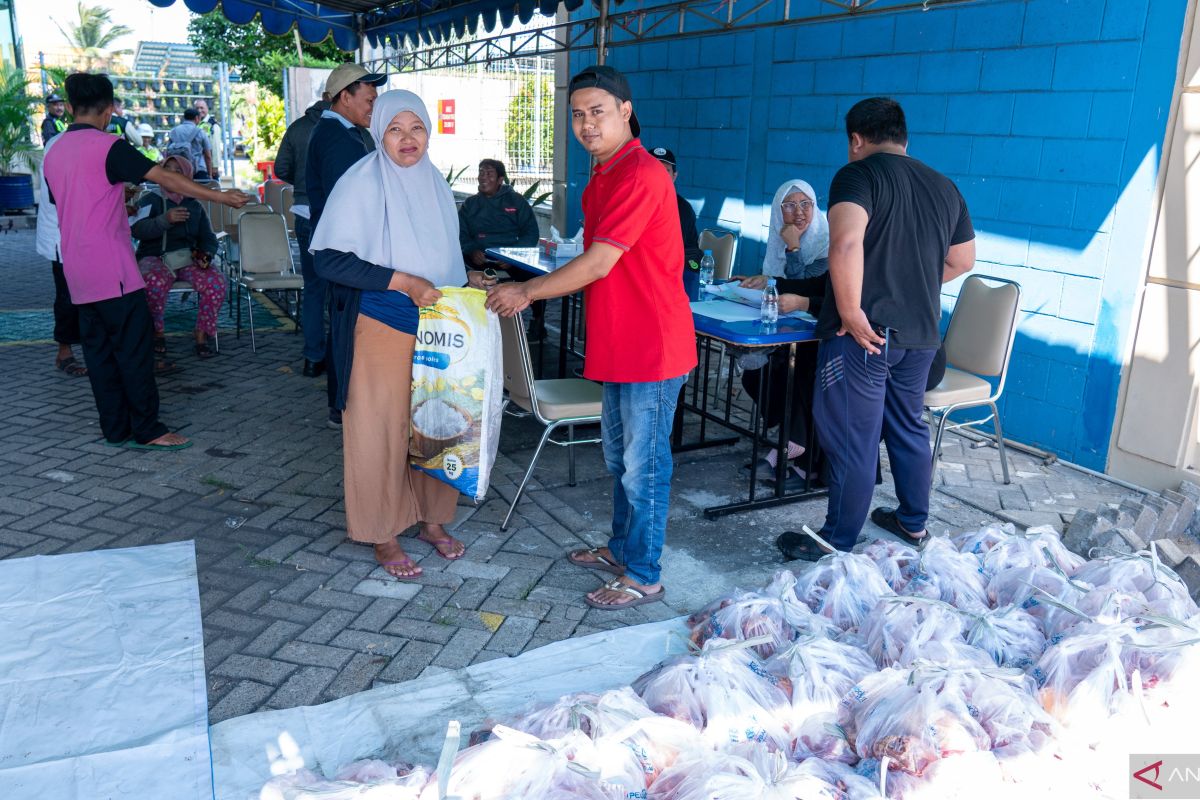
<point x="175" y="242"/>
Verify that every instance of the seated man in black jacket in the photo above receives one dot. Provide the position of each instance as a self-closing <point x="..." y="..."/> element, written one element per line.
<point x="498" y="216"/>
<point x="687" y="223"/>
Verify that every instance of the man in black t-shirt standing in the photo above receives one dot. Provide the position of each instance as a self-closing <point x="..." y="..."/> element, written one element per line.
<point x="898" y="230"/>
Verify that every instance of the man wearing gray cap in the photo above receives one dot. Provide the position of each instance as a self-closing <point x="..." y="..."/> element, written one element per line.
<point x="333" y="148"/>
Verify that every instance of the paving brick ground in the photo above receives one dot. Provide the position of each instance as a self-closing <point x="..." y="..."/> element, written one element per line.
<point x="294" y="613"/>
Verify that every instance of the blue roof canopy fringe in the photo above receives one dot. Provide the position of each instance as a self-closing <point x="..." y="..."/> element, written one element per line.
<point x="348" y="21"/>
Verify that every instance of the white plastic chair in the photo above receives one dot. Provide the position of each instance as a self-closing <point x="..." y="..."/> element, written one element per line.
<point x="979" y="345"/>
<point x="552" y="402"/>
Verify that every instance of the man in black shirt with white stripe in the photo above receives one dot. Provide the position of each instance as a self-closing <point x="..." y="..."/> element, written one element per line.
<point x="898" y="230"/>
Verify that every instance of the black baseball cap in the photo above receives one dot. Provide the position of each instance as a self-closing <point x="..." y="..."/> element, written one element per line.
<point x="610" y="80"/>
<point x="664" y="155"/>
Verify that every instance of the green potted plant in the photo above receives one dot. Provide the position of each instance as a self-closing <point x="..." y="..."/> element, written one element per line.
<point x="16" y="144"/>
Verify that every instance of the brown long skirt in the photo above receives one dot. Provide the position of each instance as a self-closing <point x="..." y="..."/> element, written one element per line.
<point x="384" y="496"/>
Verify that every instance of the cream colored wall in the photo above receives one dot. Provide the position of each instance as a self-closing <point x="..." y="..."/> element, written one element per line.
<point x="1156" y="440"/>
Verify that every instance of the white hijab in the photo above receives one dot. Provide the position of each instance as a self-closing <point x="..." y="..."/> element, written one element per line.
<point x="402" y="218"/>
<point x="814" y="242"/>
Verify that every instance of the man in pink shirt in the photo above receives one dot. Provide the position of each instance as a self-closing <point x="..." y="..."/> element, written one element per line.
<point x="86" y="173"/>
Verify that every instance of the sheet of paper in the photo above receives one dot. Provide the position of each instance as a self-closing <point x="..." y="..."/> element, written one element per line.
<point x="748" y="300"/>
<point x="725" y="310"/>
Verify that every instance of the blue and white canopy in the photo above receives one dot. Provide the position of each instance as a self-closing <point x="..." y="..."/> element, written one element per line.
<point x="349" y="21"/>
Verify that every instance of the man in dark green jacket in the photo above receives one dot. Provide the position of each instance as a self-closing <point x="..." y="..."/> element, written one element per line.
<point x="498" y="217"/>
<point x="495" y="217"/>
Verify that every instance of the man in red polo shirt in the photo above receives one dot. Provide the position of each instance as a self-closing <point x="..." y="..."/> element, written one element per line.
<point x="640" y="339"/>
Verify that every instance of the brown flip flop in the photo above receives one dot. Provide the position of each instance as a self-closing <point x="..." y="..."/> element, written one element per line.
<point x="596" y="561"/>
<point x="640" y="598"/>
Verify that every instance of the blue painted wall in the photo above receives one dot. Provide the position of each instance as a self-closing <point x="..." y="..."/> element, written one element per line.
<point x="1049" y="115"/>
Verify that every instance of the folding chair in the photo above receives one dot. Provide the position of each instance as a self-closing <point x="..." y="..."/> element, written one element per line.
<point x="265" y="263"/>
<point x="979" y="345"/>
<point x="287" y="196"/>
<point x="552" y="402"/>
<point x="273" y="195"/>
<point x="724" y="247"/>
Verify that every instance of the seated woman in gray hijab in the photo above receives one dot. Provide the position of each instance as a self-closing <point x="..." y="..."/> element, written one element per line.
<point x="387" y="240"/>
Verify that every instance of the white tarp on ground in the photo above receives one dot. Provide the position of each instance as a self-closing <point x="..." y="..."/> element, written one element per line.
<point x="102" y="690"/>
<point x="407" y="721"/>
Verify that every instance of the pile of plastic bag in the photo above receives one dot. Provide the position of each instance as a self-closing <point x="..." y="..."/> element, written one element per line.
<point x="992" y="663"/>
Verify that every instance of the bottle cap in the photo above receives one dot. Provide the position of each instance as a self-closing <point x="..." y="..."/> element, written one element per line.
<point x="708" y="252"/>
<point x="770" y="281"/>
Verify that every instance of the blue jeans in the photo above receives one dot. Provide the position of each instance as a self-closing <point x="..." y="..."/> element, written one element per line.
<point x="636" y="428"/>
<point x="857" y="398"/>
<point x="315" y="298"/>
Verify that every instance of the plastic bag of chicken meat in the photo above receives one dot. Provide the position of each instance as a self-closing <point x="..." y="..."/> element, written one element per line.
<point x="943" y="573"/>
<point x="900" y="631"/>
<point x="897" y="561"/>
<point x="1143" y="572"/>
<point x="842" y="587"/>
<point x="722" y="690"/>
<point x="1010" y="635"/>
<point x="773" y="611"/>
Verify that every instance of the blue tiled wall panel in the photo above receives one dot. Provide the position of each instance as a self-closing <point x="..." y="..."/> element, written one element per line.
<point x="1049" y="115"/>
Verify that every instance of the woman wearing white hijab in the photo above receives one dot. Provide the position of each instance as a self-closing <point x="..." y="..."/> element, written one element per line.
<point x="387" y="240"/>
<point x="798" y="239"/>
<point x="797" y="257"/>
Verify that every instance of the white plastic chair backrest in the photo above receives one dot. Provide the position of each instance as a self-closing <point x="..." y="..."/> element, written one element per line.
<point x="723" y="245"/>
<point x="518" y="366"/>
<point x="273" y="195"/>
<point x="979" y="339"/>
<point x="287" y="195"/>
<point x="234" y="215"/>
<point x="264" y="244"/>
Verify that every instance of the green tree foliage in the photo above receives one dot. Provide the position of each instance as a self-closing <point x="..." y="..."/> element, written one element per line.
<point x="17" y="105"/>
<point x="520" y="131"/>
<point x="266" y="127"/>
<point x="91" y="36"/>
<point x="260" y="57"/>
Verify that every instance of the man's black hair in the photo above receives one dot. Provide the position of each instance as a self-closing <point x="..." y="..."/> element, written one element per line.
<point x="88" y="93"/>
<point x="878" y="120"/>
<point x="351" y="89"/>
<point x="496" y="165"/>
<point x="191" y="114"/>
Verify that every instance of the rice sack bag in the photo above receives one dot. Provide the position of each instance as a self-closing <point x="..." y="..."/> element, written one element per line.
<point x="457" y="388"/>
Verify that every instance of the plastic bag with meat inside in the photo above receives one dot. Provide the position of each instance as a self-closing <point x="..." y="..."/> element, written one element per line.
<point x="773" y="611"/>
<point x="900" y="631"/>
<point x="943" y="573"/>
<point x="819" y="672"/>
<point x="1010" y="635"/>
<point x="978" y="542"/>
<point x="360" y="780"/>
<point x="722" y="690"/>
<point x="842" y="587"/>
<point x="515" y="764"/>
<point x="1032" y="589"/>
<point x="1006" y="547"/>
<point x="1082" y="679"/>
<point x="918" y="716"/>
<point x="752" y="774"/>
<point x="896" y="561"/>
<point x="1143" y="572"/>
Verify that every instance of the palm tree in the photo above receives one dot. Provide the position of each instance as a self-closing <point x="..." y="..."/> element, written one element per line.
<point x="92" y="35"/>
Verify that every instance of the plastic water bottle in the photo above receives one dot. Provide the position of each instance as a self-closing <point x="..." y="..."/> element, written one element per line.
<point x="769" y="311"/>
<point x="708" y="266"/>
